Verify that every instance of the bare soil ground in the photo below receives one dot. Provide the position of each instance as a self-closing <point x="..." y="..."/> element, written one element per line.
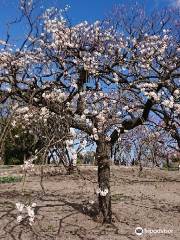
<point x="65" y="212"/>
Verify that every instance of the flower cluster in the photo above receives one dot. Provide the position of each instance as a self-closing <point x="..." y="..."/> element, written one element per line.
<point x="101" y="192"/>
<point x="26" y="210"/>
<point x="54" y="95"/>
<point x="28" y="165"/>
<point x="71" y="150"/>
<point x="92" y="39"/>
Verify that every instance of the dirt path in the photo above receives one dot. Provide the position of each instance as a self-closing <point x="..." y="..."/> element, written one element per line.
<point x="151" y="201"/>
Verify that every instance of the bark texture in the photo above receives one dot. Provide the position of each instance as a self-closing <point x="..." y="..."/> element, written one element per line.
<point x="103" y="161"/>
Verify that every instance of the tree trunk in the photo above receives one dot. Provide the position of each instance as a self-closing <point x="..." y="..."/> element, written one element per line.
<point x="103" y="152"/>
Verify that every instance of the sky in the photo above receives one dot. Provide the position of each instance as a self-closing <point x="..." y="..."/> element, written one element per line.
<point x="80" y="10"/>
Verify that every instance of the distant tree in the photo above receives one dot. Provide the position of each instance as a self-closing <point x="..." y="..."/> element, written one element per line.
<point x="147" y="146"/>
<point x="19" y="146"/>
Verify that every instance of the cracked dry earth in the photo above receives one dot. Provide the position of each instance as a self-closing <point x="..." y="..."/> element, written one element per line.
<point x="151" y="201"/>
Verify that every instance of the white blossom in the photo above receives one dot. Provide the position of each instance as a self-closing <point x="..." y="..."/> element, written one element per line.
<point x="20" y="206"/>
<point x="101" y="192"/>
<point x="19" y="218"/>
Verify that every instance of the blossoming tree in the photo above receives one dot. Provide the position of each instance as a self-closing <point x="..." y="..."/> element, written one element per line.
<point x="106" y="82"/>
